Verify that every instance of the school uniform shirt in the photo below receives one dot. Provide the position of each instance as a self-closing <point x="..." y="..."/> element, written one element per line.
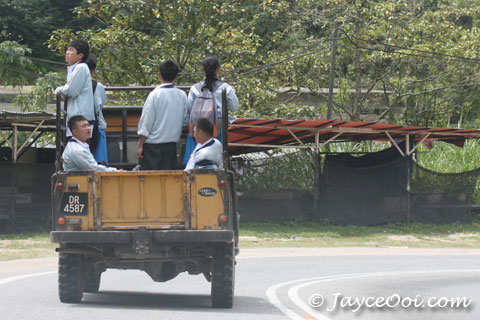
<point x="79" y="92"/>
<point x="206" y="155"/>
<point x="232" y="100"/>
<point x="163" y="115"/>
<point x="77" y="156"/>
<point x="99" y="98"/>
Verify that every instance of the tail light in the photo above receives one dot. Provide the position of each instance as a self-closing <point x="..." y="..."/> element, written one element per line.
<point x="61" y="221"/>
<point x="59" y="186"/>
<point x="222" y="183"/>
<point x="222" y="218"/>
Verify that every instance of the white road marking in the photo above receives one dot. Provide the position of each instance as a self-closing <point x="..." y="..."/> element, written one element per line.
<point x="15" y="278"/>
<point x="294" y="297"/>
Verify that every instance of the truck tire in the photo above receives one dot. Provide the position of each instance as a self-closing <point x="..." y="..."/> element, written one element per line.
<point x="70" y="284"/>
<point x="91" y="281"/>
<point x="223" y="275"/>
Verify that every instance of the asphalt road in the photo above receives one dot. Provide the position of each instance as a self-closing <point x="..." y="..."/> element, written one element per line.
<point x="270" y="284"/>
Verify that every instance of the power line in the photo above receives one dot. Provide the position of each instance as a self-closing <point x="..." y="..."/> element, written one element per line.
<point x="389" y="47"/>
<point x="29" y="72"/>
<point x="241" y="71"/>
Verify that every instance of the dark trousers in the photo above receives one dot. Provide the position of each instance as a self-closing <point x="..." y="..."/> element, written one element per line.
<point x="162" y="156"/>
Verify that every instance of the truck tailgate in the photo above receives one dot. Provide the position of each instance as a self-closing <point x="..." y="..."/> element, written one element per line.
<point x="145" y="198"/>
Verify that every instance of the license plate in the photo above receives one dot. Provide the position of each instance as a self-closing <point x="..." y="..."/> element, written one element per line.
<point x="74" y="204"/>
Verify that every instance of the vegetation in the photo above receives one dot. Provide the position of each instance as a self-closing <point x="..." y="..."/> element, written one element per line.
<point x="415" y="60"/>
<point x="293" y="234"/>
<point x="322" y="234"/>
<point x="25" y="246"/>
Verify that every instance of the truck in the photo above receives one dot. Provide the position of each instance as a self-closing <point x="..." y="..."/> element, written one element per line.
<point x="160" y="222"/>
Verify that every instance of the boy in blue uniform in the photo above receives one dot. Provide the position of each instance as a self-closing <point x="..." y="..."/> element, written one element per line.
<point x="77" y="155"/>
<point x="160" y="126"/>
<point x="78" y="88"/>
<point x="99" y="98"/>
<point x="208" y="152"/>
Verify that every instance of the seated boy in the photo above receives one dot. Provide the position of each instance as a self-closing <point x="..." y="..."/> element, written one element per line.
<point x="77" y="155"/>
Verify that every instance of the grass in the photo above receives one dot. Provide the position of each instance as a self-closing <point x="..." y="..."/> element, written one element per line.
<point x="307" y="234"/>
<point x="321" y="234"/>
<point x="25" y="246"/>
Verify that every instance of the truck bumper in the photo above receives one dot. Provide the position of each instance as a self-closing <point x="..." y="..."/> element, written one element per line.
<point x="126" y="237"/>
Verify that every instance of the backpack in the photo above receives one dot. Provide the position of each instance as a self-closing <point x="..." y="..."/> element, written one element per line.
<point x="94" y="139"/>
<point x="204" y="106"/>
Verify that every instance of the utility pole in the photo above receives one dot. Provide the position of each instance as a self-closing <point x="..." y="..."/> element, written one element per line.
<point x="358" y="78"/>
<point x="317" y="156"/>
<point x="331" y="80"/>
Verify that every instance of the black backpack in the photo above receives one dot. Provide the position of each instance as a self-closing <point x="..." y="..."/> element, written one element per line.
<point x="95" y="134"/>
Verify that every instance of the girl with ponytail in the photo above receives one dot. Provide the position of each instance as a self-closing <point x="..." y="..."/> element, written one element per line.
<point x="211" y="68"/>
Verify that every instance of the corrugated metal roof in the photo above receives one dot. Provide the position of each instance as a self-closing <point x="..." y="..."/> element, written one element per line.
<point x="250" y="135"/>
<point x="9" y="118"/>
<point x="6" y="113"/>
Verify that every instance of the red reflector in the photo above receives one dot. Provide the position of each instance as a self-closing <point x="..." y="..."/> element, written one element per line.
<point x="59" y="186"/>
<point x="61" y="221"/>
<point x="222" y="218"/>
<point x="223" y="183"/>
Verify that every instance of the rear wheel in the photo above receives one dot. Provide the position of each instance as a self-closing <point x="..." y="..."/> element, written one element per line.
<point x="223" y="275"/>
<point x="91" y="281"/>
<point x="70" y="284"/>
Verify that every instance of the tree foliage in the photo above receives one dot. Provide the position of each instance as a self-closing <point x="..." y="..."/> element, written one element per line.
<point x="13" y="62"/>
<point x="405" y="61"/>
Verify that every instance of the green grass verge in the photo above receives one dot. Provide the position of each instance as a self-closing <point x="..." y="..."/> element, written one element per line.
<point x="307" y="234"/>
<point x="26" y="246"/>
<point x="321" y="234"/>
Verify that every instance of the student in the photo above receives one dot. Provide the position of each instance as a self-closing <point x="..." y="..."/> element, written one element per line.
<point x="211" y="67"/>
<point x="163" y="116"/>
<point x="77" y="155"/>
<point x="78" y="88"/>
<point x="99" y="97"/>
<point x="208" y="152"/>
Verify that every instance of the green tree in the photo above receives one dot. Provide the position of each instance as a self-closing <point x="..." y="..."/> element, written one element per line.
<point x="13" y="64"/>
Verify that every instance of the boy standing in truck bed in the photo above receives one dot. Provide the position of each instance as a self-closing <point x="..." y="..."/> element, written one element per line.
<point x="163" y="116"/>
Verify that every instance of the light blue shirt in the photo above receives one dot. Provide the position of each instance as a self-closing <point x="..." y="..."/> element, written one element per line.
<point x="77" y="156"/>
<point x="232" y="100"/>
<point x="163" y="115"/>
<point x="207" y="155"/>
<point x="99" y="98"/>
<point x="79" y="92"/>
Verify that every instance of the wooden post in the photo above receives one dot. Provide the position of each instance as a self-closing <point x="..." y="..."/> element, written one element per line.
<point x="14" y="145"/>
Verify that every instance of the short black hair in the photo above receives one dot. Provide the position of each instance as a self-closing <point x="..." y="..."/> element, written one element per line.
<point x="73" y="121"/>
<point x="82" y="47"/>
<point x="169" y="70"/>
<point x="91" y="63"/>
<point x="205" y="125"/>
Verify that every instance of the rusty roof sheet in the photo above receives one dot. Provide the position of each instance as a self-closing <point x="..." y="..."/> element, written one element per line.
<point x="249" y="135"/>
